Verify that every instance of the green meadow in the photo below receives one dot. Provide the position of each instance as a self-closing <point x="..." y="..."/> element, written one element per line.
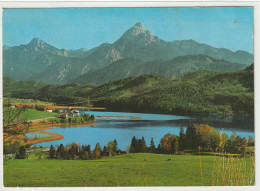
<point x="142" y="169"/>
<point x="31" y="114"/>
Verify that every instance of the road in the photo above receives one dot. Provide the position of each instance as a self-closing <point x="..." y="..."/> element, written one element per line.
<point x="41" y="119"/>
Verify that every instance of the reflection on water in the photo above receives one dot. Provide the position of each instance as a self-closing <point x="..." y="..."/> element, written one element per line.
<point x="151" y="125"/>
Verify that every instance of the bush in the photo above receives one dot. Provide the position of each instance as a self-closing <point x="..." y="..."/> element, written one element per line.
<point x="40" y="107"/>
<point x="21" y="153"/>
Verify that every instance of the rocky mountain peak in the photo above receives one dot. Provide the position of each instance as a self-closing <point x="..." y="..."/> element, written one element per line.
<point x="137" y="33"/>
<point x="139" y="25"/>
<point x="137" y="29"/>
<point x="36" y="42"/>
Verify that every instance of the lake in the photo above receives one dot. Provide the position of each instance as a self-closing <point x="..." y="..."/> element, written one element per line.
<point x="151" y="125"/>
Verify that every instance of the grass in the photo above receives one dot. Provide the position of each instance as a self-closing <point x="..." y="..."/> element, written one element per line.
<point x="14" y="101"/>
<point x="124" y="170"/>
<point x="31" y="114"/>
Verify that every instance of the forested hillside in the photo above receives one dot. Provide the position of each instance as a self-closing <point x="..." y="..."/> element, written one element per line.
<point x="195" y="92"/>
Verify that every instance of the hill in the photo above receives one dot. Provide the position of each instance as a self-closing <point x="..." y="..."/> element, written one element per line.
<point x="193" y="93"/>
<point x="174" y="68"/>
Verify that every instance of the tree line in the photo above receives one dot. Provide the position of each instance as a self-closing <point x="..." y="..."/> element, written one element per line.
<point x="196" y="138"/>
<point x="202" y="138"/>
<point x="75" y="151"/>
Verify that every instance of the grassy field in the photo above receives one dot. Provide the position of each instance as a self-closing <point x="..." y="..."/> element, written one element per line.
<point x="14" y="100"/>
<point x="140" y="169"/>
<point x="31" y="114"/>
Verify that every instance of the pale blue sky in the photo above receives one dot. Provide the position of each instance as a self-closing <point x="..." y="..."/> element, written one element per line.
<point x="74" y="28"/>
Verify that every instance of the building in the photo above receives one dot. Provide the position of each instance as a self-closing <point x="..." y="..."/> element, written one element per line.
<point x="49" y="109"/>
<point x="63" y="115"/>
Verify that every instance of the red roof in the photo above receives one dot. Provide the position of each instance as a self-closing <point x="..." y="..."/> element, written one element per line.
<point x="63" y="114"/>
<point x="49" y="108"/>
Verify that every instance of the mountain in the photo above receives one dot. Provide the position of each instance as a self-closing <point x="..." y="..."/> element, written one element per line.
<point x="195" y="92"/>
<point x="80" y="53"/>
<point x="42" y="62"/>
<point x="174" y="68"/>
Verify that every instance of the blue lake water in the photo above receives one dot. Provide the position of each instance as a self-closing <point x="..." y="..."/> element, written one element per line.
<point x="151" y="125"/>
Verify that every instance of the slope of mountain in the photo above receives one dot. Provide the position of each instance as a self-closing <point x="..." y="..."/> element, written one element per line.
<point x="195" y="92"/>
<point x="175" y="68"/>
<point x="80" y="53"/>
<point x="39" y="61"/>
<point x="43" y="62"/>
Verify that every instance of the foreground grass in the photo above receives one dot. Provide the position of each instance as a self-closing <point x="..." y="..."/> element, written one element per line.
<point x="127" y="170"/>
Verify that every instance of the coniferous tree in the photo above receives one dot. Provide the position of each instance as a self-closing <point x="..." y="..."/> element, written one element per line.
<point x="182" y="140"/>
<point x="61" y="152"/>
<point x="192" y="137"/>
<point x="133" y="146"/>
<point x="159" y="149"/>
<point x="142" y="145"/>
<point x="52" y="152"/>
<point x="88" y="149"/>
<point x="21" y="153"/>
<point x="152" y="146"/>
<point x="115" y="148"/>
<point x="105" y="151"/>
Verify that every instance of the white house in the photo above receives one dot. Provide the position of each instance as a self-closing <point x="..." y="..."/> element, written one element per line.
<point x="49" y="109"/>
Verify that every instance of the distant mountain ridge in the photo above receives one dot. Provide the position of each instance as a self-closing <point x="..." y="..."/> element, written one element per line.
<point x="176" y="67"/>
<point x="43" y="62"/>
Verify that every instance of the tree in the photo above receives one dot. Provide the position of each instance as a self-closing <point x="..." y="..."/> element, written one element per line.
<point x="223" y="142"/>
<point x="97" y="151"/>
<point x="192" y="137"/>
<point x="152" y="146"/>
<point x="142" y="145"/>
<point x="169" y="144"/>
<point x="86" y="117"/>
<point x="12" y="123"/>
<point x="231" y="143"/>
<point x="204" y="132"/>
<point x="159" y="149"/>
<point x="174" y="145"/>
<point x="243" y="146"/>
<point x="61" y="152"/>
<point x="88" y="149"/>
<point x="52" y="152"/>
<point x="133" y="146"/>
<point x="73" y="150"/>
<point x="105" y="151"/>
<point x="115" y="148"/>
<point x="110" y="147"/>
<point x="214" y="138"/>
<point x="21" y="153"/>
<point x="6" y="148"/>
<point x="250" y="141"/>
<point x="182" y="140"/>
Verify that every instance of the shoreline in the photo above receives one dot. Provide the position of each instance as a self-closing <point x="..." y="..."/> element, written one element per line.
<point x="56" y="136"/>
<point x="122" y="117"/>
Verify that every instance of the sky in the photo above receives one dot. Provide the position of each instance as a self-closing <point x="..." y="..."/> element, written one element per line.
<point x="74" y="28"/>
